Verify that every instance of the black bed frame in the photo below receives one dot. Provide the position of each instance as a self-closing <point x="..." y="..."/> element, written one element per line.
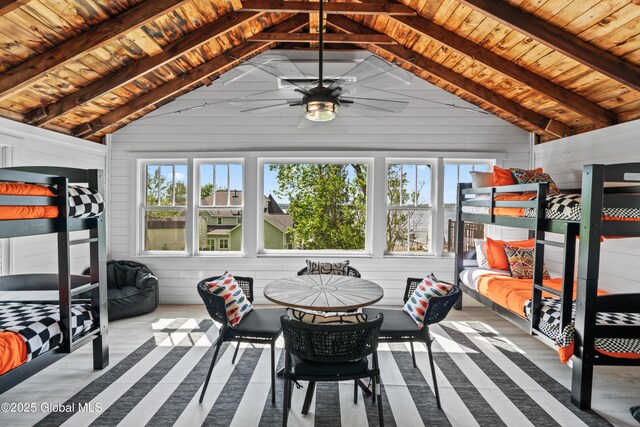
<point x="590" y="228"/>
<point x="68" y="286"/>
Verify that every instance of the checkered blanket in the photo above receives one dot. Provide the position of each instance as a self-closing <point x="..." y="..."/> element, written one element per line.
<point x="566" y="207"/>
<point x="550" y="326"/>
<point x="39" y="323"/>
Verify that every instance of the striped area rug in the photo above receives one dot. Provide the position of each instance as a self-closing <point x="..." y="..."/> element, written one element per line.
<point x="484" y="380"/>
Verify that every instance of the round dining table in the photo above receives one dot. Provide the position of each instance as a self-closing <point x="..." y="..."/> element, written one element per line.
<point x="323" y="292"/>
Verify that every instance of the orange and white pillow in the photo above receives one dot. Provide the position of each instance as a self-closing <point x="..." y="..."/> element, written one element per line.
<point x="496" y="256"/>
<point x="236" y="302"/>
<point x="416" y="305"/>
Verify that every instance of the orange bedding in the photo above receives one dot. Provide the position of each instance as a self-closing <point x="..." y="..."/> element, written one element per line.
<point x="13" y="351"/>
<point x="26" y="212"/>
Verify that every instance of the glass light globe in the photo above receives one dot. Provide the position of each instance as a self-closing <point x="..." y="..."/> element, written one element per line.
<point x="321" y="111"/>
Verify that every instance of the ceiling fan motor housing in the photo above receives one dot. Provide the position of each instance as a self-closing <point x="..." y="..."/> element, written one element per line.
<point x="321" y="104"/>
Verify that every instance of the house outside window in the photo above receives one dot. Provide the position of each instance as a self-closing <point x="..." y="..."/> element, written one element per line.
<point x="408" y="217"/>
<point x="164" y="207"/>
<point x="220" y="205"/>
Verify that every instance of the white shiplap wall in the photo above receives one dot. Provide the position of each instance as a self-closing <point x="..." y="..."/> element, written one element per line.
<point x="426" y="129"/>
<point x="26" y="145"/>
<point x="563" y="160"/>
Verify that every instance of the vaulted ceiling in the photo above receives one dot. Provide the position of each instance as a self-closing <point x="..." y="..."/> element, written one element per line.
<point x="89" y="67"/>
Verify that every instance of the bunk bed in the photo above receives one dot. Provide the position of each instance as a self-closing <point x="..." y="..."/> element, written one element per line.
<point x="36" y="333"/>
<point x="561" y="311"/>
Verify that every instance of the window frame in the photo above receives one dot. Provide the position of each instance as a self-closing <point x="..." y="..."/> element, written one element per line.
<point x="197" y="206"/>
<point x="367" y="251"/>
<point x="142" y="206"/>
<point x="433" y="164"/>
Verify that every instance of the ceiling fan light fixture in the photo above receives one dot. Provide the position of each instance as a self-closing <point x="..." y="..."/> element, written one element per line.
<point x="321" y="111"/>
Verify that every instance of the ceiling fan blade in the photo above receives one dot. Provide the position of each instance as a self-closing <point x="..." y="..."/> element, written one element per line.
<point x="256" y="100"/>
<point x="266" y="107"/>
<point x="285" y="71"/>
<point x="376" y="108"/>
<point x="374" y="99"/>
<point x="385" y="74"/>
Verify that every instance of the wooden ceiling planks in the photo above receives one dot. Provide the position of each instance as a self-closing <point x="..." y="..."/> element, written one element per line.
<point x="472" y="42"/>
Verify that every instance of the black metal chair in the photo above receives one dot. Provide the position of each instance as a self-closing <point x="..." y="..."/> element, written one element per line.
<point x="260" y="326"/>
<point x="350" y="272"/>
<point x="399" y="326"/>
<point x="329" y="352"/>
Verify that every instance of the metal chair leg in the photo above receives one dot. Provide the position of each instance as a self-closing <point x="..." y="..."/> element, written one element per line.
<point x="213" y="362"/>
<point x="235" y="353"/>
<point x="273" y="372"/>
<point x="373" y="389"/>
<point x="413" y="354"/>
<point x="285" y="403"/>
<point x="355" y="392"/>
<point x="379" y="393"/>
<point x="309" y="396"/>
<point x="433" y="370"/>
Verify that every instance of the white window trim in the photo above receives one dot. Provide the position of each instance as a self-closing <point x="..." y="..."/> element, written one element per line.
<point x="141" y="170"/>
<point x="366" y="252"/>
<point x="197" y="162"/>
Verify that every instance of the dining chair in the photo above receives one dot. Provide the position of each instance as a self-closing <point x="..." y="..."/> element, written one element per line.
<point x="260" y="326"/>
<point x="329" y="352"/>
<point x="399" y="326"/>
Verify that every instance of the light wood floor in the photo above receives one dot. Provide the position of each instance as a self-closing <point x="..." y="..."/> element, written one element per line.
<point x="616" y="389"/>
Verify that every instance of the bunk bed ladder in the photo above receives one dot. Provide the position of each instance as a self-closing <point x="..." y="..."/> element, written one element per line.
<point x="459" y="265"/>
<point x="538" y="261"/>
<point x="64" y="264"/>
<point x="588" y="269"/>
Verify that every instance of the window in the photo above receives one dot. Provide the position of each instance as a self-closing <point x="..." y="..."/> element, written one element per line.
<point x="454" y="173"/>
<point x="220" y="206"/>
<point x="164" y="207"/>
<point x="223" y="244"/>
<point x="408" y="228"/>
<point x="315" y="206"/>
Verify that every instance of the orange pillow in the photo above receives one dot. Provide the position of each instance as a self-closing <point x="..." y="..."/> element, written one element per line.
<point x="505" y="177"/>
<point x="496" y="256"/>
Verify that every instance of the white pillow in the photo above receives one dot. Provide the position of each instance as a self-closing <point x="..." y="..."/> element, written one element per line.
<point x="481" y="252"/>
<point x="481" y="179"/>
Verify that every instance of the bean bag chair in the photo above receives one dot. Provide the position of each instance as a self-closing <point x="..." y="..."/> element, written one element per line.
<point x="132" y="289"/>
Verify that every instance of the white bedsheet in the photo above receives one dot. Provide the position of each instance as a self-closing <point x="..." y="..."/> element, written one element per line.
<point x="470" y="276"/>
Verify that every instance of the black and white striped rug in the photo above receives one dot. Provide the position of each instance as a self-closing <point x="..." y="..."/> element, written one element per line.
<point x="484" y="380"/>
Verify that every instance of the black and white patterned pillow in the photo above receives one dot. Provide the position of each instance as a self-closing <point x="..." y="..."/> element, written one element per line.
<point x="338" y="268"/>
<point x="84" y="202"/>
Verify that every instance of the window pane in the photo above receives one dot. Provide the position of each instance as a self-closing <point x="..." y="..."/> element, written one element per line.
<point x="220" y="229"/>
<point x="152" y="180"/>
<point x="393" y="185"/>
<point x="424" y="185"/>
<point x="222" y="178"/>
<point x="409" y="187"/>
<point x="164" y="230"/>
<point x="166" y="185"/>
<point x="408" y="230"/>
<point x="314" y="206"/>
<point x="206" y="184"/>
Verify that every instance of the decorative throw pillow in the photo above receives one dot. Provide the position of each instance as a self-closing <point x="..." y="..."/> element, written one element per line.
<point x="521" y="262"/>
<point x="418" y="302"/>
<point x="236" y="301"/>
<point x="481" y="251"/>
<point x="481" y="179"/>
<point x="522" y="176"/>
<point x="496" y="256"/>
<point x="505" y="177"/>
<point x="338" y="268"/>
<point x="322" y="317"/>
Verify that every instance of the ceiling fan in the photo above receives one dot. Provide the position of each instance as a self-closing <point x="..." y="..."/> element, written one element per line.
<point x="322" y="96"/>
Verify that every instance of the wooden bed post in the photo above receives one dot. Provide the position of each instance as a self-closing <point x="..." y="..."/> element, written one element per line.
<point x="459" y="265"/>
<point x="64" y="265"/>
<point x="588" y="267"/>
<point x="99" y="299"/>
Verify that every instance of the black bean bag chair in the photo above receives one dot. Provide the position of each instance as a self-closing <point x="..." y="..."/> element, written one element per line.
<point x="635" y="412"/>
<point x="132" y="289"/>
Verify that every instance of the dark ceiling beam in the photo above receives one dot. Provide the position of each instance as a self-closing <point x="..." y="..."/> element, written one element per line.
<point x="22" y="75"/>
<point x="329" y="8"/>
<point x="556" y="38"/>
<point x="546" y="87"/>
<point x="541" y="123"/>
<point x="173" y="87"/>
<point x="193" y="40"/>
<point x="327" y="38"/>
<point x="7" y="6"/>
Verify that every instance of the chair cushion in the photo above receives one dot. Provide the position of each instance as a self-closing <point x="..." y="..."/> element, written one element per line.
<point x="324" y="317"/>
<point x="418" y="302"/>
<point x="303" y="368"/>
<point x="338" y="268"/>
<point x="236" y="302"/>
<point x="262" y="323"/>
<point x="396" y="324"/>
